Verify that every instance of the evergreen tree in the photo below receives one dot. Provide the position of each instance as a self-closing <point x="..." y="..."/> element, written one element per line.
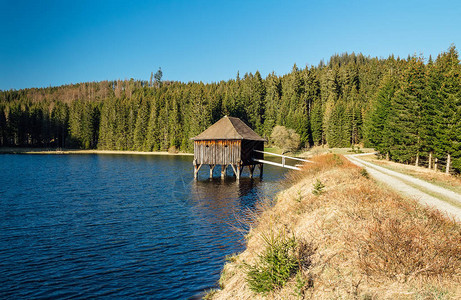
<point x="316" y="123"/>
<point x="403" y="108"/>
<point x="378" y="130"/>
<point x="142" y="121"/>
<point x="448" y="134"/>
<point x="405" y="119"/>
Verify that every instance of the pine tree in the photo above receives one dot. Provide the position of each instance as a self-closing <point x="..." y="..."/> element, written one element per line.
<point x="152" y="142"/>
<point x="256" y="107"/>
<point x="316" y="123"/>
<point x="108" y="125"/>
<point x="448" y="135"/>
<point x="272" y="103"/>
<point x="3" y="126"/>
<point x="405" y="118"/>
<point x="142" y="121"/>
<point x="378" y="130"/>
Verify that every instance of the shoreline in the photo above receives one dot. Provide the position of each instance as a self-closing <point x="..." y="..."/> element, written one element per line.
<point x="9" y="150"/>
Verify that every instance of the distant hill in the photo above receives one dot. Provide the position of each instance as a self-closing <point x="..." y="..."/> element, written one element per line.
<point x="408" y="109"/>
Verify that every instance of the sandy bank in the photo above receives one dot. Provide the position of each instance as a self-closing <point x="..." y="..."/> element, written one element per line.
<point x="7" y="150"/>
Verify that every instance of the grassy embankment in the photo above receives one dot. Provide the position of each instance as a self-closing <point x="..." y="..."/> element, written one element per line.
<point x="334" y="233"/>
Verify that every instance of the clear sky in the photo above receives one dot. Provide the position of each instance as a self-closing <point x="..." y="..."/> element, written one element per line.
<point x="58" y="42"/>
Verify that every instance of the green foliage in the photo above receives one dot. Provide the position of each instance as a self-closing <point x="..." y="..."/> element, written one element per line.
<point x="364" y="173"/>
<point x="338" y="133"/>
<point x="209" y="294"/>
<point x="416" y="112"/>
<point x="316" y="124"/>
<point x="405" y="108"/>
<point x="275" y="266"/>
<point x="302" y="283"/>
<point x="318" y="188"/>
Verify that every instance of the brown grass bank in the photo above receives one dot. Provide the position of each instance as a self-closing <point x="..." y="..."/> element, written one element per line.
<point x="335" y="234"/>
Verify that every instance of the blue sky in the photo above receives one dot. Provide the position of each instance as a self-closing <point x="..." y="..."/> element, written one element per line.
<point x="47" y="43"/>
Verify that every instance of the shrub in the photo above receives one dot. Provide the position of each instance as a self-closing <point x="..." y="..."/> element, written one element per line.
<point x="285" y="138"/>
<point x="209" y="294"/>
<point x="318" y="188"/>
<point x="172" y="149"/>
<point x="364" y="173"/>
<point x="275" y="266"/>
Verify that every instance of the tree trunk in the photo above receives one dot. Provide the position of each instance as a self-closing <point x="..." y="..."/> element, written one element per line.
<point x="447" y="170"/>
<point x="436" y="164"/>
<point x="430" y="160"/>
<point x="387" y="156"/>
<point x="417" y="159"/>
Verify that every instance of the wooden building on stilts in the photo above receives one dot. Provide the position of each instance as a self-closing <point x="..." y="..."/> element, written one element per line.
<point x="228" y="142"/>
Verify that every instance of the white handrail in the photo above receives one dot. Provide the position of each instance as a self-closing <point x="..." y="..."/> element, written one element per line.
<point x="283" y="156"/>
<point x="275" y="164"/>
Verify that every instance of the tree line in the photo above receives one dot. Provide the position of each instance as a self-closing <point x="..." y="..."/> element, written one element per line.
<point x="408" y="109"/>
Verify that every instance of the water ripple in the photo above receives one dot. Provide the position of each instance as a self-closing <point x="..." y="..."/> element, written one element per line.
<point x="89" y="226"/>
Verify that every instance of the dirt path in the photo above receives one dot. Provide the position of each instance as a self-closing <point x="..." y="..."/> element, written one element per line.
<point x="425" y="192"/>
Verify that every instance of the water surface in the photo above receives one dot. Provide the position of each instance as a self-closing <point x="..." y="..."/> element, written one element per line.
<point x="86" y="226"/>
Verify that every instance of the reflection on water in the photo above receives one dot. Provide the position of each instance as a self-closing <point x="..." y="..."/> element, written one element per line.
<point x="89" y="226"/>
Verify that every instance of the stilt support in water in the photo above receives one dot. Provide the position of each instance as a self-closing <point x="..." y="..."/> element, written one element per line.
<point x="211" y="170"/>
<point x="236" y="168"/>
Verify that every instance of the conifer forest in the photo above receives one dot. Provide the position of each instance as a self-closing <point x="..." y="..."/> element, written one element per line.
<point x="408" y="109"/>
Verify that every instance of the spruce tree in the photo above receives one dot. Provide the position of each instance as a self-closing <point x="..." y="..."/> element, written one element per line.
<point x="405" y="118"/>
<point x="142" y="121"/>
<point x="378" y="130"/>
<point x="448" y="135"/>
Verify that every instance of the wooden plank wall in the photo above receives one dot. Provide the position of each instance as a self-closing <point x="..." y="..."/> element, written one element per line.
<point x="220" y="152"/>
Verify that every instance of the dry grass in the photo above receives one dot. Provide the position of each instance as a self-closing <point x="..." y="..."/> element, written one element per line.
<point x="451" y="182"/>
<point x="360" y="241"/>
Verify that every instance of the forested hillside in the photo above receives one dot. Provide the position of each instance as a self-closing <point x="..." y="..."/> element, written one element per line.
<point x="408" y="109"/>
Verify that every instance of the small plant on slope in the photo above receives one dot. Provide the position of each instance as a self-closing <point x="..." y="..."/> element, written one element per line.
<point x="364" y="173"/>
<point x="275" y="266"/>
<point x="318" y="188"/>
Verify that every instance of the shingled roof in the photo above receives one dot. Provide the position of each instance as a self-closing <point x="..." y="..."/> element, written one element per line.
<point x="229" y="128"/>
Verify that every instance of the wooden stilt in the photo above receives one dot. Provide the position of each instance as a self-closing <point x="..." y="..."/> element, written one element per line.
<point x="252" y="168"/>
<point x="211" y="170"/>
<point x="261" y="171"/>
<point x="223" y="171"/>
<point x="233" y="169"/>
<point x="239" y="171"/>
<point x="196" y="169"/>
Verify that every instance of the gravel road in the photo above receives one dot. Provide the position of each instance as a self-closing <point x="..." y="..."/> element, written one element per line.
<point x="425" y="192"/>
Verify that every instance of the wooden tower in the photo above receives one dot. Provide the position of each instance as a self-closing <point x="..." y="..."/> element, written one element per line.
<point x="228" y="142"/>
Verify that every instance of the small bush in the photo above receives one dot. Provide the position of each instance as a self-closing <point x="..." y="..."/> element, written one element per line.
<point x="338" y="161"/>
<point x="364" y="173"/>
<point x="231" y="257"/>
<point x="172" y="149"/>
<point x="275" y="266"/>
<point x="285" y="138"/>
<point x="318" y="188"/>
<point x="209" y="294"/>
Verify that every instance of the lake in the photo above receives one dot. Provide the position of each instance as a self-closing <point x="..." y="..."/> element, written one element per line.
<point x="118" y="226"/>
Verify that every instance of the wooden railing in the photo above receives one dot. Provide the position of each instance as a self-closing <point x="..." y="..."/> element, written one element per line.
<point x="283" y="164"/>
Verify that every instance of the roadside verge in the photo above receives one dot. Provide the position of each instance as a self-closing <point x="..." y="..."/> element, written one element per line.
<point x="429" y="194"/>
